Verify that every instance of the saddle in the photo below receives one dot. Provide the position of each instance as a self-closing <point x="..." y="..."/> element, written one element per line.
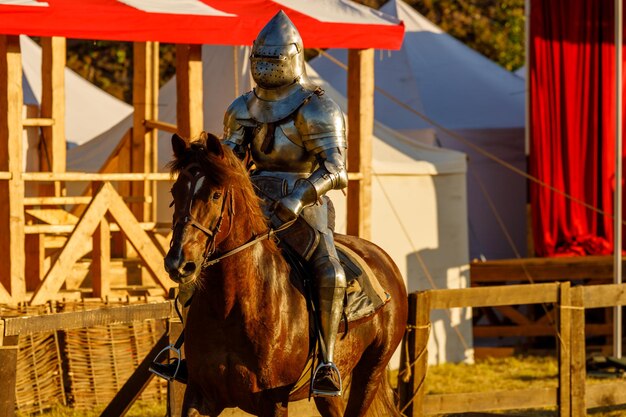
<point x="364" y="294"/>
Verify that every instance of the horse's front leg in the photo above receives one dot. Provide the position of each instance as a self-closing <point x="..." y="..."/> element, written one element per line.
<point x="197" y="405"/>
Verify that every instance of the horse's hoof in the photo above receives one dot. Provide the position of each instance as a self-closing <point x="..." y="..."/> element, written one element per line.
<point x="326" y="381"/>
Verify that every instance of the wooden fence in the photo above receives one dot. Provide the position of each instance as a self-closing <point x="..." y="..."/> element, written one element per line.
<point x="572" y="396"/>
<point x="89" y="230"/>
<point x="12" y="328"/>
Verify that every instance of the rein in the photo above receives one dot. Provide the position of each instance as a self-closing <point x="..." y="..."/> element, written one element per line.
<point x="269" y="234"/>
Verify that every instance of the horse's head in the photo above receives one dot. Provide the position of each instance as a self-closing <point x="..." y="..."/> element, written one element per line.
<point x="203" y="203"/>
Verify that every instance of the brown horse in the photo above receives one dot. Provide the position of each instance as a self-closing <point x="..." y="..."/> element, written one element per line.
<point x="247" y="331"/>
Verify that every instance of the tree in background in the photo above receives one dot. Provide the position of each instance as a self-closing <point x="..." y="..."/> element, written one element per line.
<point x="495" y="28"/>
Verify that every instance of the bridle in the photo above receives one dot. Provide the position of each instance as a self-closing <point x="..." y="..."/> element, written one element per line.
<point x="212" y="230"/>
<point x="187" y="219"/>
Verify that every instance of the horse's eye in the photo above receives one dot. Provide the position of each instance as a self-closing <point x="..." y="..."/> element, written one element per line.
<point x="217" y="195"/>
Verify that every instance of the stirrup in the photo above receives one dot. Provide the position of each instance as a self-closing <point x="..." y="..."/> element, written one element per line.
<point x="156" y="360"/>
<point x="317" y="392"/>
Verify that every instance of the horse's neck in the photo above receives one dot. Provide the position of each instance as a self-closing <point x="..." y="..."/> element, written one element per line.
<point x="245" y="281"/>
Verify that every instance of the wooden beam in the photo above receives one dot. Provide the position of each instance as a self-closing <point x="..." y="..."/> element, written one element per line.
<point x="494" y="296"/>
<point x="86" y="318"/>
<point x="56" y="201"/>
<point x="578" y="353"/>
<point x="406" y="380"/>
<point x="101" y="256"/>
<point x="8" y="376"/>
<point x="494" y="400"/>
<point x="420" y="361"/>
<point x="360" y="130"/>
<point x="52" y="152"/>
<point x="175" y="389"/>
<point x="90" y="176"/>
<point x="135" y="384"/>
<point x="597" y="296"/>
<point x="157" y="124"/>
<point x="606" y="394"/>
<point x="79" y="238"/>
<point x="12" y="245"/>
<point x="144" y="140"/>
<point x="189" y="90"/>
<point x="60" y="229"/>
<point x="536" y="330"/>
<point x="542" y="269"/>
<point x="53" y="216"/>
<point x="37" y="122"/>
<point x="146" y="249"/>
<point x="564" y="341"/>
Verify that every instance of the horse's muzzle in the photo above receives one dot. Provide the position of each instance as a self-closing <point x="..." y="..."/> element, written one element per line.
<point x="180" y="269"/>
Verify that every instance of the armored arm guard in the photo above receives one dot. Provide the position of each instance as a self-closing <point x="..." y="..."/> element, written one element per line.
<point x="236" y="122"/>
<point x="322" y="128"/>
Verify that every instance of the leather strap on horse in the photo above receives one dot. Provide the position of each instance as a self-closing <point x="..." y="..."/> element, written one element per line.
<point x="270" y="233"/>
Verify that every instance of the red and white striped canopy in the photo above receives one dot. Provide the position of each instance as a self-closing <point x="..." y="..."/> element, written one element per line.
<point x="322" y="23"/>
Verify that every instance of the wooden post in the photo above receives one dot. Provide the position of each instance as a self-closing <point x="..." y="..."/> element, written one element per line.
<point x="412" y="393"/>
<point x="189" y="104"/>
<point x="119" y="246"/>
<point x="52" y="152"/>
<point x="101" y="254"/>
<point x="144" y="141"/>
<point x="175" y="390"/>
<point x="406" y="378"/>
<point x="12" y="263"/>
<point x="564" y="341"/>
<point x="360" y="128"/>
<point x="578" y="371"/>
<point x="8" y="375"/>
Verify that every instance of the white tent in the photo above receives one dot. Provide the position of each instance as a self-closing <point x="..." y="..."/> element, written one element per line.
<point x="419" y="197"/>
<point x="89" y="110"/>
<point x="463" y="92"/>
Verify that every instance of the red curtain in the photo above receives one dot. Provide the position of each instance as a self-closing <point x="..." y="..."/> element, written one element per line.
<point x="572" y="119"/>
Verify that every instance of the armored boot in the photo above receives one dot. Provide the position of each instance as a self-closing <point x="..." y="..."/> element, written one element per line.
<point x="331" y="287"/>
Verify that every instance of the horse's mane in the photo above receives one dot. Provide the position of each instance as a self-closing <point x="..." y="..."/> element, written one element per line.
<point x="223" y="170"/>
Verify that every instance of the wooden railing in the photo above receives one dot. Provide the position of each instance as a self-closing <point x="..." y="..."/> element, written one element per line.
<point x="572" y="397"/>
<point x="88" y="230"/>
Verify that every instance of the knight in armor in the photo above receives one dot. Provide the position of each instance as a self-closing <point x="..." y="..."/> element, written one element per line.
<point x="296" y="138"/>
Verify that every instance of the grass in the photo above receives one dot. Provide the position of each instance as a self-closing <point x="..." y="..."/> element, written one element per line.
<point x="492" y="375"/>
<point x="501" y="374"/>
<point x="504" y="374"/>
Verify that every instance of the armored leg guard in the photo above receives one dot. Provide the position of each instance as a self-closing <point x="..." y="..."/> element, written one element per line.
<point x="331" y="287"/>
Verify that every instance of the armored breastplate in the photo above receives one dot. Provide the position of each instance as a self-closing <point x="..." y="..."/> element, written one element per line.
<point x="280" y="150"/>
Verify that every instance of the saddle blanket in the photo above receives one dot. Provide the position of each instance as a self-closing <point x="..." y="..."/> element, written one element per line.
<point x="364" y="293"/>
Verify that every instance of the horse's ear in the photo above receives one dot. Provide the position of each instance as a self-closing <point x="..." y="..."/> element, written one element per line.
<point x="179" y="145"/>
<point x="214" y="145"/>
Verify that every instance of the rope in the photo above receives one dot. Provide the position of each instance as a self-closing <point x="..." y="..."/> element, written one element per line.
<point x="406" y="373"/>
<point x="483" y="190"/>
<point x="420" y="260"/>
<point x="475" y="147"/>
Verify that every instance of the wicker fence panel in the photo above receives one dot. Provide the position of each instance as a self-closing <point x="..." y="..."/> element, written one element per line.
<point x="39" y="380"/>
<point x="100" y="359"/>
<point x="39" y="384"/>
